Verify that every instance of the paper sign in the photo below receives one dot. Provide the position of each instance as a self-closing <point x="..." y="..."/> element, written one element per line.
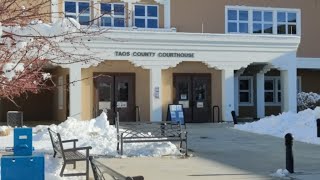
<point x="173" y="108"/>
<point x="157" y="92"/>
<point x="122" y="104"/>
<point x="173" y="115"/>
<point x="185" y="104"/>
<point x="199" y="104"/>
<point x="181" y="115"/>
<point x="104" y="105"/>
<point x="183" y="96"/>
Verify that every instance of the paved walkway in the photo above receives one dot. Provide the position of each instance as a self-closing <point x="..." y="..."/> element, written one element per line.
<point x="220" y="152"/>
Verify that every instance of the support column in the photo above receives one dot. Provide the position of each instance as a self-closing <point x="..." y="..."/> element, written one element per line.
<point x="227" y="85"/>
<point x="167" y="16"/>
<point x="260" y="95"/>
<point x="155" y="93"/>
<point x="75" y="104"/>
<point x="289" y="90"/>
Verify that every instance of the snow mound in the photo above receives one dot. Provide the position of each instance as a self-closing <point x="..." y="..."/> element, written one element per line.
<point x="281" y="173"/>
<point x="302" y="125"/>
<point x="101" y="136"/>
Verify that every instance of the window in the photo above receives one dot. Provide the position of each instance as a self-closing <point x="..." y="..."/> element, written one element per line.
<point x="256" y="20"/>
<point x="78" y="10"/>
<point x="238" y="21"/>
<point x="146" y="16"/>
<point x="273" y="90"/>
<point x="262" y="22"/>
<point x="287" y="23"/>
<point x="245" y="90"/>
<point x="112" y="14"/>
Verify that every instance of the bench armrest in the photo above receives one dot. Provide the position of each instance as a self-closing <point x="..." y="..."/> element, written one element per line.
<point x="78" y="149"/>
<point x="71" y="140"/>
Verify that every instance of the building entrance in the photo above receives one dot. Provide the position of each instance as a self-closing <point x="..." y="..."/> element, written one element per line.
<point x="116" y="92"/>
<point x="193" y="91"/>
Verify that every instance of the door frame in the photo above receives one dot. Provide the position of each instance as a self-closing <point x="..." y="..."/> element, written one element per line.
<point x="192" y="75"/>
<point x="112" y="74"/>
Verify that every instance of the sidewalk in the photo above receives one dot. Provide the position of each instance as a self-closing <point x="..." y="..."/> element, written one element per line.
<point x="221" y="152"/>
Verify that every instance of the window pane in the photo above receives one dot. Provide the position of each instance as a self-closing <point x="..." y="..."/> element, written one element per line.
<point x="257" y="16"/>
<point x="105" y="8"/>
<point x="70" y="7"/>
<point x="152" y="11"/>
<point x="105" y="21"/>
<point x="268" y="28"/>
<point x="281" y="29"/>
<point x="139" y="23"/>
<point x="279" y="85"/>
<point x="268" y="17"/>
<point x="118" y="9"/>
<point x="268" y="97"/>
<point x="282" y="17"/>
<point x="123" y="91"/>
<point x="84" y="20"/>
<point x="292" y="29"/>
<point x="292" y="17"/>
<point x="183" y="91"/>
<point x="279" y="96"/>
<point x="118" y="22"/>
<point x="232" y="15"/>
<point x="139" y="10"/>
<point x="243" y="15"/>
<point x="244" y="97"/>
<point x="243" y="28"/>
<point x="244" y="84"/>
<point x="232" y="27"/>
<point x="257" y="28"/>
<point x="84" y="8"/>
<point x="200" y="91"/>
<point x="268" y="85"/>
<point x="152" y="23"/>
<point x="104" y="92"/>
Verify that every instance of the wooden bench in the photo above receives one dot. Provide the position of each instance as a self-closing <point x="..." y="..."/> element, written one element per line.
<point x="136" y="132"/>
<point x="71" y="155"/>
<point x="99" y="170"/>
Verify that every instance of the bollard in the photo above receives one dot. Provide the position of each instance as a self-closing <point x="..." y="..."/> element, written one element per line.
<point x="318" y="127"/>
<point x="234" y="117"/>
<point x="289" y="154"/>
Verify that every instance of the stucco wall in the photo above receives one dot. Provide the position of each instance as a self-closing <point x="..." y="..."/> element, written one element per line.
<point x="310" y="81"/>
<point x="189" y="67"/>
<point x="190" y="15"/>
<point x="142" y="86"/>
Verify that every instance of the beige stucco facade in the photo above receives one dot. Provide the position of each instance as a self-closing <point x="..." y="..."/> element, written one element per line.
<point x="190" y="15"/>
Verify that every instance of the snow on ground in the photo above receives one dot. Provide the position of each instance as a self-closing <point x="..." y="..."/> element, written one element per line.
<point x="302" y="125"/>
<point x="281" y="173"/>
<point x="96" y="133"/>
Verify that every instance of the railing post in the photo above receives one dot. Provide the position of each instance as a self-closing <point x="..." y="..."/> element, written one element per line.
<point x="289" y="154"/>
<point x="233" y="113"/>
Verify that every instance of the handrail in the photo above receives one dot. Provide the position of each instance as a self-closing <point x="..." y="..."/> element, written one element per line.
<point x="213" y="113"/>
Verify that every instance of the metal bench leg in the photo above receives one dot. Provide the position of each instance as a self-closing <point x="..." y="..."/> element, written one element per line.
<point x="87" y="169"/>
<point x="75" y="165"/>
<point x="54" y="154"/>
<point x="121" y="152"/>
<point x="62" y="169"/>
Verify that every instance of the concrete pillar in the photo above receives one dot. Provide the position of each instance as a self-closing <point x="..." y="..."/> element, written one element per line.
<point x="75" y="92"/>
<point x="227" y="85"/>
<point x="289" y="90"/>
<point x="155" y="92"/>
<point x="260" y="95"/>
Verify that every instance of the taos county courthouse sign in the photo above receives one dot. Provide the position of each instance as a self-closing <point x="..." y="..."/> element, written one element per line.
<point x="153" y="54"/>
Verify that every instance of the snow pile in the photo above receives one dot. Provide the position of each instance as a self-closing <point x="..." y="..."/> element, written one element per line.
<point x="302" y="125"/>
<point x="308" y="100"/>
<point x="281" y="173"/>
<point x="98" y="134"/>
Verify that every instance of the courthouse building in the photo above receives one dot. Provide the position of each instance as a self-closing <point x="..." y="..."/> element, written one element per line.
<point x="249" y="56"/>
